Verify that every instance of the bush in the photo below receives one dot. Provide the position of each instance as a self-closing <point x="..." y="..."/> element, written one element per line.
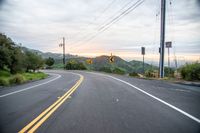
<point x="4" y="73"/>
<point x="190" y="71"/>
<point x="74" y="65"/>
<point x="149" y="73"/>
<point x="105" y="69"/>
<point x="169" y="72"/>
<point x="17" y="79"/>
<point x="117" y="70"/>
<point x="133" y="74"/>
<point x="3" y="82"/>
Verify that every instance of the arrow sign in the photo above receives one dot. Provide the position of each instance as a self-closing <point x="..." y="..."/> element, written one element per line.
<point x="89" y="61"/>
<point x="111" y="59"/>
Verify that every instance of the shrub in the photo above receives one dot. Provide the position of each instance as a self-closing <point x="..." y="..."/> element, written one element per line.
<point x="3" y="82"/>
<point x="149" y="73"/>
<point x="105" y="69"/>
<point x="134" y="74"/>
<point x="190" y="71"/>
<point x="169" y="72"/>
<point x="117" y="70"/>
<point x="17" y="79"/>
<point x="4" y="73"/>
<point x="74" y="65"/>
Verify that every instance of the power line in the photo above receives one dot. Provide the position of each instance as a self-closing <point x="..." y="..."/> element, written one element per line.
<point x="105" y="9"/>
<point x="114" y="20"/>
<point x="95" y="19"/>
<point x="126" y="12"/>
<point x="116" y="13"/>
<point x="121" y="14"/>
<point x="109" y="20"/>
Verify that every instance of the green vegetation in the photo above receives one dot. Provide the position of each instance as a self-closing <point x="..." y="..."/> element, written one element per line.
<point x="8" y="79"/>
<point x="74" y="65"/>
<point x="190" y="72"/>
<point x="149" y="73"/>
<point x="14" y="59"/>
<point x="105" y="69"/>
<point x="115" y="70"/>
<point x="33" y="61"/>
<point x="58" y="66"/>
<point x="118" y="70"/>
<point x="133" y="74"/>
<point x="101" y="63"/>
<point x="18" y="66"/>
<point x="49" y="62"/>
<point x="169" y="72"/>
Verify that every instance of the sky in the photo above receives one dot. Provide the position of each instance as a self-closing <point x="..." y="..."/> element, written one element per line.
<point x="41" y="24"/>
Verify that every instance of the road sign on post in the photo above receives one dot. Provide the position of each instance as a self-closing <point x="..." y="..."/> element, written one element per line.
<point x="143" y="53"/>
<point x="143" y="50"/>
<point x="89" y="61"/>
<point x="168" y="45"/>
<point x="111" y="59"/>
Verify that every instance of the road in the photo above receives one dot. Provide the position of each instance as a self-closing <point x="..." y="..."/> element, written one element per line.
<point x="90" y="102"/>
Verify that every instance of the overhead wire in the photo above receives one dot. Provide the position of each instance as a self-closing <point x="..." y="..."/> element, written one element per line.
<point x="114" y="20"/>
<point x="94" y="20"/>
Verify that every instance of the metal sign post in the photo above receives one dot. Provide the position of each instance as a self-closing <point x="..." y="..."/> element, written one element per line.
<point x="168" y="45"/>
<point x="143" y="53"/>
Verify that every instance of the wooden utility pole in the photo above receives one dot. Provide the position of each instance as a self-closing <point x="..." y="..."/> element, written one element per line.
<point x="162" y="38"/>
<point x="143" y="53"/>
<point x="64" y="51"/>
<point x="63" y="46"/>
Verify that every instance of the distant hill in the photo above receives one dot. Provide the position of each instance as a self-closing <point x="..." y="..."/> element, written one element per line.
<point x="49" y="54"/>
<point x="103" y="62"/>
<point x="98" y="62"/>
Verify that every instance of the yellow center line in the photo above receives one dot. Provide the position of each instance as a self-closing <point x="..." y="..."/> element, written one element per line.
<point x="47" y="113"/>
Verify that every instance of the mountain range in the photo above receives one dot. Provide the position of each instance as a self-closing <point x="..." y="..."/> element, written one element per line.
<point x="98" y="62"/>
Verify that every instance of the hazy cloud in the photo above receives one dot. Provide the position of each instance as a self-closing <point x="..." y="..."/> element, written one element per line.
<point x="40" y="24"/>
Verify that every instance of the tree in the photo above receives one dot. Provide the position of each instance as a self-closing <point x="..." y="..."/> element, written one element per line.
<point x="17" y="58"/>
<point x="13" y="58"/>
<point x="33" y="61"/>
<point x="49" y="62"/>
<point x="190" y="71"/>
<point x="74" y="65"/>
<point x="11" y="55"/>
<point x="5" y="50"/>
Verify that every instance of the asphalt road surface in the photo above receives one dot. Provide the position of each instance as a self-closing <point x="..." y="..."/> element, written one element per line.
<point x="89" y="102"/>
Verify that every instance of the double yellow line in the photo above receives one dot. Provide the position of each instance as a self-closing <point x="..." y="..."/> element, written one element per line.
<point x="38" y="121"/>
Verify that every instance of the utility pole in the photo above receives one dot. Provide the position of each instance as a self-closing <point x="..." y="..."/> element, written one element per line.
<point x="162" y="38"/>
<point x="143" y="53"/>
<point x="63" y="45"/>
<point x="64" y="51"/>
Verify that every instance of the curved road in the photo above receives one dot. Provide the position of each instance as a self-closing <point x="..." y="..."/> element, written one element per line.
<point x="88" y="102"/>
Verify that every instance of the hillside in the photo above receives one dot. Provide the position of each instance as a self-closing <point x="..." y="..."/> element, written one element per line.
<point x="49" y="54"/>
<point x="99" y="63"/>
<point x="102" y="62"/>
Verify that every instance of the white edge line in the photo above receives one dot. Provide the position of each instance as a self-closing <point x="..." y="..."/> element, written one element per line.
<point x="58" y="76"/>
<point x="154" y="97"/>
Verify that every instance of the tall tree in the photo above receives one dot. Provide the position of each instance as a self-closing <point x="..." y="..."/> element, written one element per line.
<point x="49" y="62"/>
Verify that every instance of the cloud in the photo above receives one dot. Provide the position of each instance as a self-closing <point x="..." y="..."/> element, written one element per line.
<point x="40" y="24"/>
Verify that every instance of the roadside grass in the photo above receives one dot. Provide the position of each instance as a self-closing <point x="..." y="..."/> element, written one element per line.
<point x="7" y="79"/>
